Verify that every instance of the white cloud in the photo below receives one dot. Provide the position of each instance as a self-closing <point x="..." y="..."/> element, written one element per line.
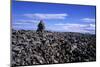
<point x="71" y="25"/>
<point x="46" y="16"/>
<point x="92" y="25"/>
<point x="27" y="21"/>
<point x="88" y="20"/>
<point x="25" y="24"/>
<point x="83" y="28"/>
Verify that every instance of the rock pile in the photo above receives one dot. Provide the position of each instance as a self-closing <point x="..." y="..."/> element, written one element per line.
<point x="41" y="26"/>
<point x="31" y="48"/>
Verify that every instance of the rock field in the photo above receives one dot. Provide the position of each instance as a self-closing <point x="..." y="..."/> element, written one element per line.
<point x="34" y="48"/>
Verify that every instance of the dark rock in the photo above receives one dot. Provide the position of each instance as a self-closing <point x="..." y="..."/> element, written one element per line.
<point x="30" y="47"/>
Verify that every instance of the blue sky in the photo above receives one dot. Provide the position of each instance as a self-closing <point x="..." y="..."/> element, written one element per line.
<point x="57" y="17"/>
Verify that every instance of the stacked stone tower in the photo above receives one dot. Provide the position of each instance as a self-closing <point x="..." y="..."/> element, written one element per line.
<point x="41" y="26"/>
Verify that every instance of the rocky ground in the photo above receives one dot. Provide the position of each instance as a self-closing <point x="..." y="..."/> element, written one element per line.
<point x="32" y="48"/>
